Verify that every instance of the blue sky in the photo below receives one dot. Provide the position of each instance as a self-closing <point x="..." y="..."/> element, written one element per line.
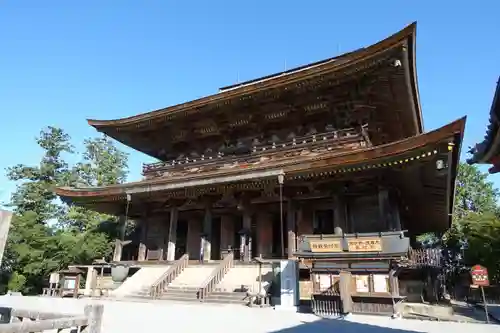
<point x="64" y="61"/>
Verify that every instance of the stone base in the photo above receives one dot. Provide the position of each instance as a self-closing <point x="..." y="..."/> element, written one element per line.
<point x="427" y="310"/>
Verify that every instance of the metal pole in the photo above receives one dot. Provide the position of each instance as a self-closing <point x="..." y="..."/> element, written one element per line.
<point x="281" y="223"/>
<point x="485" y="304"/>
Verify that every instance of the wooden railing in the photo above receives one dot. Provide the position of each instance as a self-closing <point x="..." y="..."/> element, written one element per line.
<point x="26" y="321"/>
<point x="158" y="288"/>
<point x="216" y="276"/>
<point x="425" y="257"/>
<point x="339" y="136"/>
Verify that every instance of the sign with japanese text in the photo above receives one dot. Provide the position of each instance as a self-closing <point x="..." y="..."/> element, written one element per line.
<point x="364" y="245"/>
<point x="480" y="276"/>
<point x="325" y="246"/>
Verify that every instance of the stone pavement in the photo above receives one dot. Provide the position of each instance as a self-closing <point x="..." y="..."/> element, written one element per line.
<point x="160" y="316"/>
<point x="493" y="310"/>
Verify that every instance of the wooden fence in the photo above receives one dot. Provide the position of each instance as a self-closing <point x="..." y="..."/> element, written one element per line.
<point x="14" y="320"/>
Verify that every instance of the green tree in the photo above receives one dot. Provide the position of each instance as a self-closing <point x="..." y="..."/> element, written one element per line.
<point x="474" y="237"/>
<point x="103" y="163"/>
<point x="474" y="193"/>
<point x="34" y="192"/>
<point x="482" y="231"/>
<point x="47" y="235"/>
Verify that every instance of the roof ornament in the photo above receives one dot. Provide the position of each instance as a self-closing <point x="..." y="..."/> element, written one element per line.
<point x="396" y="63"/>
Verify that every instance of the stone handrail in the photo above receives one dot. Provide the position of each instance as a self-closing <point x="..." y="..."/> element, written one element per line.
<point x="216" y="276"/>
<point x="38" y="321"/>
<point x="159" y="286"/>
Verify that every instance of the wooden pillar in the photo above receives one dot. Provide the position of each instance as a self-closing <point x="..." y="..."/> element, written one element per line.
<point x="395" y="213"/>
<point x="385" y="211"/>
<point x="265" y="234"/>
<point x="89" y="281"/>
<point x="246" y="238"/>
<point x="290" y="222"/>
<point x="122" y="224"/>
<point x="393" y="283"/>
<point x="339" y="212"/>
<point x="345" y="291"/>
<point x="172" y="233"/>
<point x="206" y="238"/>
<point x="141" y="256"/>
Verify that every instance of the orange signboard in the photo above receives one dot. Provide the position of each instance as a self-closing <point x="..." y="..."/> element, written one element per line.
<point x="364" y="245"/>
<point x="325" y="245"/>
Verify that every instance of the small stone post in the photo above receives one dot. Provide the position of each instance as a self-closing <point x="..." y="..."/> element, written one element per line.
<point x="94" y="313"/>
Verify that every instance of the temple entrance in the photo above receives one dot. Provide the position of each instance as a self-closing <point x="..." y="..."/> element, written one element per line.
<point x="323" y="222"/>
<point x="238" y="225"/>
<point x="181" y="239"/>
<point x="215" y="241"/>
<point x="254" y="235"/>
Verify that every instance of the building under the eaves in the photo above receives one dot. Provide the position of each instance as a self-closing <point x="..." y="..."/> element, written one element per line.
<point x="327" y="165"/>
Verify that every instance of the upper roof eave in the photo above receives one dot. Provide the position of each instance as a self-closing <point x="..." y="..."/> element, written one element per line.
<point x="483" y="152"/>
<point x="405" y="35"/>
<point x="347" y="158"/>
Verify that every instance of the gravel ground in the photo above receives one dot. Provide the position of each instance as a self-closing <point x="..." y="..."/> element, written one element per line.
<point x="162" y="316"/>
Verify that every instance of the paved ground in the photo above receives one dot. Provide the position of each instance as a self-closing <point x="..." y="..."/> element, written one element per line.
<point x="160" y="316"/>
<point x="494" y="310"/>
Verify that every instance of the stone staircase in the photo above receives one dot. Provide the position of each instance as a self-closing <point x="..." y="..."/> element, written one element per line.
<point x="241" y="279"/>
<point x="236" y="282"/>
<point x="245" y="277"/>
<point x="140" y="281"/>
<point x="185" y="287"/>
<point x="227" y="297"/>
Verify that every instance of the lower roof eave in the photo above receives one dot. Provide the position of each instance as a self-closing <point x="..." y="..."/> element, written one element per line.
<point x="289" y="167"/>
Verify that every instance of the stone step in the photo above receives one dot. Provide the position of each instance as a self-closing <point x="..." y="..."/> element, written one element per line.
<point x="228" y="294"/>
<point x="181" y="293"/>
<point x="181" y="288"/>
<point x="190" y="298"/>
<point x="193" y="276"/>
<point x="224" y="301"/>
<point x="246" y="277"/>
<point x="180" y="297"/>
<point x="227" y="297"/>
<point x="143" y="278"/>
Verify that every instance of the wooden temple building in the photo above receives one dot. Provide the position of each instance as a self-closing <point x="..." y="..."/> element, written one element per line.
<point x="327" y="164"/>
<point x="488" y="151"/>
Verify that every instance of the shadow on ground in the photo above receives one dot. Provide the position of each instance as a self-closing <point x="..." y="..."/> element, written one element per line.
<point x="339" y="325"/>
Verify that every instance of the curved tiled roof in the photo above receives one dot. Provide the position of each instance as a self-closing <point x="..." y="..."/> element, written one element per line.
<point x="403" y="37"/>
<point x="289" y="166"/>
<point x="485" y="151"/>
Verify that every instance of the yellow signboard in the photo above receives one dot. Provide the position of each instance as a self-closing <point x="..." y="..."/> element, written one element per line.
<point x="364" y="245"/>
<point x="324" y="246"/>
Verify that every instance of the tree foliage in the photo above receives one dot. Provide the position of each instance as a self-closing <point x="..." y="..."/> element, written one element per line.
<point x="46" y="235"/>
<point x="474" y="237"/>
